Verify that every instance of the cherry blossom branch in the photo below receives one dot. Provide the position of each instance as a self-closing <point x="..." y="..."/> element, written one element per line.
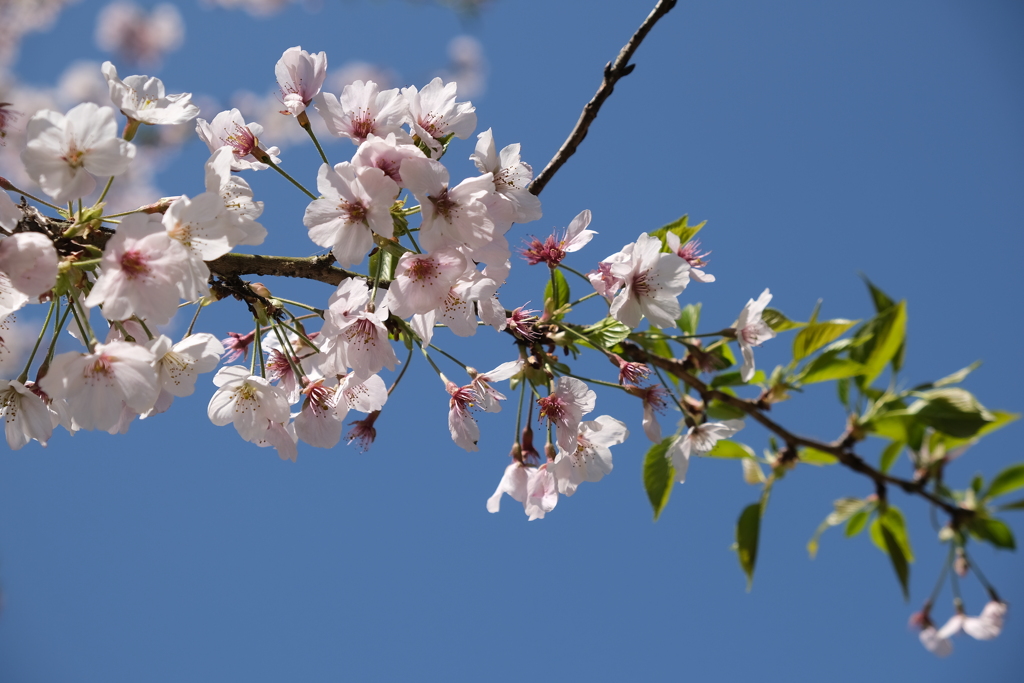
<point x="613" y="71"/>
<point x="319" y="268"/>
<point x="840" y="448"/>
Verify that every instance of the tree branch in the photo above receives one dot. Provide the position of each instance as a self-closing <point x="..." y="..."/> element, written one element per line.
<point x="318" y="268"/>
<point x="840" y="448"/>
<point x="613" y="71"/>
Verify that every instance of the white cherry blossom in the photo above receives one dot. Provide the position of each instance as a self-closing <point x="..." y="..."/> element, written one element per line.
<point x="387" y="154"/>
<point x="592" y="457"/>
<point x="356" y="203"/>
<point x="229" y="129"/>
<point x="236" y="196"/>
<point x="565" y="407"/>
<point x="362" y="111"/>
<point x="10" y="214"/>
<point x="143" y="99"/>
<point x="300" y="76"/>
<point x="934" y="643"/>
<point x="651" y="283"/>
<point x="64" y="152"/>
<point x="98" y="384"/>
<point x="751" y="331"/>
<point x="690" y="252"/>
<point x="461" y="423"/>
<point x="422" y="281"/>
<point x="511" y="178"/>
<point x="451" y="216"/>
<point x="534" y="487"/>
<point x="698" y="441"/>
<point x="25" y="415"/>
<point x="487" y="396"/>
<point x="434" y="113"/>
<point x="249" y="402"/>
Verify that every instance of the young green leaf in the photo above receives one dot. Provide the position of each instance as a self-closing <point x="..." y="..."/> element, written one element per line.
<point x="681" y="227"/>
<point x="556" y="294"/>
<point x="730" y="449"/>
<point x="748" y="528"/>
<point x="778" y="321"/>
<point x="812" y="456"/>
<point x="658" y="476"/>
<point x="880" y="299"/>
<point x="992" y="531"/>
<point x="890" y="454"/>
<point x="899" y="560"/>
<point x="891" y="519"/>
<point x="813" y="337"/>
<point x="844" y="509"/>
<point x="828" y="366"/>
<point x="1007" y="481"/>
<point x="858" y="521"/>
<point x="733" y="379"/>
<point x="1015" y="505"/>
<point x="951" y="410"/>
<point x="606" y="333"/>
<point x="689" y="319"/>
<point x="889" y="331"/>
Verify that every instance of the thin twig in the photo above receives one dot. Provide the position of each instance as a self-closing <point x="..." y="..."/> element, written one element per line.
<point x="613" y="71"/>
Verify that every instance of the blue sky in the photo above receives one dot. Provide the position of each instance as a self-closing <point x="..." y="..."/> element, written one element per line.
<point x="819" y="140"/>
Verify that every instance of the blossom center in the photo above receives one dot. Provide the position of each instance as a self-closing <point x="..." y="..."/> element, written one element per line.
<point x="433" y="123"/>
<point x="444" y="204"/>
<point x="422" y="269"/>
<point x="242" y="141"/>
<point x="134" y="264"/>
<point x="74" y="157"/>
<point x="354" y="212"/>
<point x="554" y="408"/>
<point x="363" y="124"/>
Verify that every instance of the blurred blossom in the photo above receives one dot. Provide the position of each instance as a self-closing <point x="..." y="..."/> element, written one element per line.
<point x="257" y="8"/>
<point x="16" y="341"/>
<point x="18" y="17"/>
<point x="468" y="66"/>
<point x="82" y="82"/>
<point x="137" y="36"/>
<point x="350" y="72"/>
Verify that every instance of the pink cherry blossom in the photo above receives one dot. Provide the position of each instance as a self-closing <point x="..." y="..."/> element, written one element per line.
<point x="565" y="407"/>
<point x="651" y="281"/>
<point x="752" y="331"/>
<point x="422" y="281"/>
<point x="300" y="76"/>
<point x="487" y="395"/>
<point x="10" y="214"/>
<point x="363" y="111"/>
<point x="387" y="154"/>
<point x="690" y="252"/>
<point x="461" y="423"/>
<point x="236" y="196"/>
<point x="65" y="152"/>
<point x="552" y="250"/>
<point x="534" y="487"/>
<point x="29" y="261"/>
<point x="141" y="268"/>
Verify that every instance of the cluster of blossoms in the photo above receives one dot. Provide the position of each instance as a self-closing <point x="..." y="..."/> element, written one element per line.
<point x="135" y="269"/>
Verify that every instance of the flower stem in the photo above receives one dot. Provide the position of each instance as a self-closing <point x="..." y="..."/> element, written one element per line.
<point x="293" y="181"/>
<point x="103" y="195"/>
<point x="124" y="333"/>
<point x="413" y="240"/>
<point x="13" y="188"/>
<point x="42" y="332"/>
<point x="318" y="311"/>
<point x="309" y="342"/>
<point x="308" y="127"/>
<point x="583" y="298"/>
<point x="286" y="348"/>
<point x="83" y="323"/>
<point x="408" y="362"/>
<point x="427" y="356"/>
<point x="199" y="309"/>
<point x="58" y="326"/>
<point x="981" y="577"/>
<point x="668" y="389"/>
<point x="942" y="577"/>
<point x="574" y="272"/>
<point x="142" y="322"/>
<point x="595" y="381"/>
<point x="449" y="356"/>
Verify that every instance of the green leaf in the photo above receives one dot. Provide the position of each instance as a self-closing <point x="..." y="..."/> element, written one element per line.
<point x="778" y="321"/>
<point x="606" y="333"/>
<point x="733" y="379"/>
<point x="387" y="268"/>
<point x="951" y="410"/>
<point x="1001" y="419"/>
<point x="680" y="227"/>
<point x="992" y="531"/>
<point x="890" y="454"/>
<point x="1010" y="479"/>
<point x="844" y="509"/>
<point x="899" y="560"/>
<point x="730" y="449"/>
<point x="659" y="476"/>
<point x="828" y="367"/>
<point x="558" y="295"/>
<point x="812" y="456"/>
<point x="958" y="376"/>
<point x="892" y="520"/>
<point x="843" y="389"/>
<point x="748" y="528"/>
<point x="689" y="319"/>
<point x="723" y="411"/>
<point x="815" y="336"/>
<point x="1015" y="505"/>
<point x="880" y="299"/>
<point x="857" y="522"/>
<point x="889" y="331"/>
